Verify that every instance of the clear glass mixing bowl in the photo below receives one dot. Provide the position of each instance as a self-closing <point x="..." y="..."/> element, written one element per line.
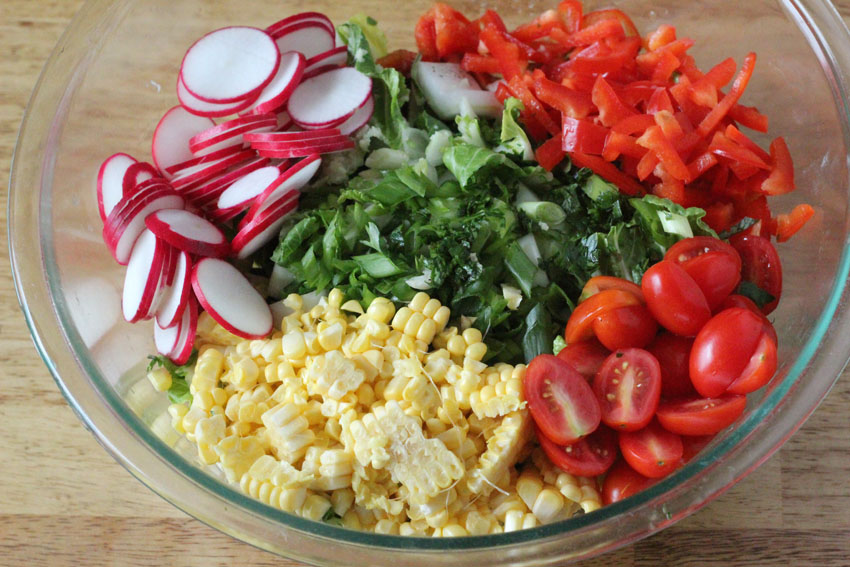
<point x="112" y="76"/>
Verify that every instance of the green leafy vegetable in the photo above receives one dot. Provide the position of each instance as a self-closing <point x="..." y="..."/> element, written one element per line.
<point x="513" y="138"/>
<point x="178" y="393"/>
<point x="740" y="226"/>
<point x="558" y="344"/>
<point x="759" y="296"/>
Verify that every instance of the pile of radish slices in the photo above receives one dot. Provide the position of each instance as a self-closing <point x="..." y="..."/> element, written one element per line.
<point x="290" y="98"/>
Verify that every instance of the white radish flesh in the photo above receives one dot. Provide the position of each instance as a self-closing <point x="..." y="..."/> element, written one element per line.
<point x="359" y="119"/>
<point x="124" y="225"/>
<point x="301" y="17"/>
<point x="262" y="230"/>
<point x="137" y="173"/>
<point x="199" y="107"/>
<point x="231" y="138"/>
<point x="309" y="38"/>
<point x="176" y="297"/>
<point x="329" y="97"/>
<point x="277" y="92"/>
<point x="110" y="182"/>
<point x="325" y="61"/>
<point x="293" y="179"/>
<point x="245" y="190"/>
<point x="165" y="339"/>
<point x="291" y="136"/>
<point x="230" y="299"/>
<point x="200" y="173"/>
<point x="179" y="169"/>
<point x="170" y="143"/>
<point x="188" y="232"/>
<point x="186" y="339"/>
<point x="214" y="187"/>
<point x="142" y="276"/>
<point x="230" y="64"/>
<point x="307" y="150"/>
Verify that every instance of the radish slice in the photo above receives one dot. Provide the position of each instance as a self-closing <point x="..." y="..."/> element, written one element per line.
<point x="296" y="144"/>
<point x="142" y="277"/>
<point x="216" y="130"/>
<point x="179" y="169"/>
<point x="293" y="179"/>
<point x="127" y="220"/>
<point x="230" y="299"/>
<point x="325" y="61"/>
<point x="166" y="339"/>
<point x="284" y="122"/>
<point x="205" y="171"/>
<point x="245" y="190"/>
<point x="307" y="150"/>
<point x="317" y="17"/>
<point x="284" y="82"/>
<point x="176" y="297"/>
<point x="189" y="232"/>
<point x="199" y="107"/>
<point x="359" y="118"/>
<point x="136" y="174"/>
<point x="215" y="186"/>
<point x="263" y="229"/>
<point x="186" y="339"/>
<point x="329" y="97"/>
<point x="291" y="136"/>
<point x="202" y="145"/>
<point x="230" y="64"/>
<point x="110" y="182"/>
<point x="171" y="138"/>
<point x="307" y="37"/>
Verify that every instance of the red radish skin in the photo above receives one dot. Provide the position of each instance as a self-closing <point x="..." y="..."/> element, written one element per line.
<point x="226" y="130"/>
<point x="110" y="182"/>
<point x="277" y="92"/>
<point x="127" y="221"/>
<point x="207" y="171"/>
<point x="142" y="277"/>
<point x="176" y="297"/>
<point x="186" y="339"/>
<point x="188" y="232"/>
<point x="299" y="18"/>
<point x="230" y="299"/>
<point x="293" y="179"/>
<point x="230" y="65"/>
<point x="137" y="173"/>
<point x="359" y="119"/>
<point x="325" y="98"/>
<point x="325" y="61"/>
<point x="263" y="229"/>
<point x="243" y="192"/>
<point x="309" y="38"/>
<point x="179" y="169"/>
<point x="307" y="150"/>
<point x="215" y="186"/>
<point x="170" y="144"/>
<point x="198" y="107"/>
<point x="233" y="138"/>
<point x="296" y="144"/>
<point x="291" y="136"/>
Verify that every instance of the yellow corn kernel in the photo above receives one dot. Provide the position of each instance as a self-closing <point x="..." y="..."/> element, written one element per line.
<point x="518" y="372"/>
<point x="352" y="306"/>
<point x="441" y="317"/>
<point x="510" y="503"/>
<point x="271" y="350"/>
<point x="293" y="499"/>
<point x="315" y="507"/>
<point x="331" y="338"/>
<point x="342" y="500"/>
<point x="529" y="521"/>
<point x="435" y="426"/>
<point x="438" y="519"/>
<point x="208" y="369"/>
<point x="419" y="301"/>
<point x="207" y="454"/>
<point x="377" y="330"/>
<point x="394" y="390"/>
<point x="528" y="488"/>
<point x="351" y="521"/>
<point x="245" y="373"/>
<point x="290" y="323"/>
<point x="456" y="345"/>
<point x="472" y="336"/>
<point x="426" y="331"/>
<point x="160" y="379"/>
<point x="548" y="505"/>
<point x="177" y="413"/>
<point x="365" y="395"/>
<point x="386" y="526"/>
<point x="361" y="343"/>
<point x="513" y="520"/>
<point x="475" y="351"/>
<point x="335" y="298"/>
<point x="294" y="302"/>
<point x="454" y="530"/>
<point x="239" y="429"/>
<point x="203" y="399"/>
<point x="411" y="327"/>
<point x="431" y="307"/>
<point x="317" y="311"/>
<point x="401" y="318"/>
<point x="381" y="309"/>
<point x="477" y="524"/>
<point x="294" y="346"/>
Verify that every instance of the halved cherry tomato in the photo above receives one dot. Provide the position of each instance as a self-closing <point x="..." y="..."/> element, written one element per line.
<point x="653" y="451"/>
<point x="736" y="300"/>
<point x="561" y="401"/>
<point x="694" y="246"/>
<point x="700" y="416"/>
<point x="693" y="445"/>
<point x="625" y="327"/>
<point x="734" y="345"/>
<point x="621" y="482"/>
<point x="600" y="283"/>
<point x="586" y="357"/>
<point x="591" y="456"/>
<point x="717" y="274"/>
<point x="675" y="299"/>
<point x="761" y="266"/>
<point x="673" y="353"/>
<point x="628" y="387"/>
<point x="580" y="323"/>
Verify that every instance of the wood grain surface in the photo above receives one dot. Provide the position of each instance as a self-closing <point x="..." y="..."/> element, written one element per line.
<point x="64" y="501"/>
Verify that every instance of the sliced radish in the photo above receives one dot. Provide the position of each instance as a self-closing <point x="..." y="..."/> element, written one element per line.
<point x="179" y="169"/>
<point x="329" y="97"/>
<point x="171" y="138"/>
<point x="294" y="144"/>
<point x="199" y="107"/>
<point x="136" y="174"/>
<point x="306" y="37"/>
<point x="143" y="276"/>
<point x="110" y="182"/>
<point x="232" y="137"/>
<point x="284" y="122"/>
<point x="277" y="92"/>
<point x="165" y="339"/>
<point x="291" y="136"/>
<point x="293" y="179"/>
<point x="331" y="59"/>
<point x="300" y="18"/>
<point x="359" y="119"/>
<point x="243" y="192"/>
<point x="230" y="64"/>
<point x="215" y="186"/>
<point x="127" y="220"/>
<point x="217" y="129"/>
<point x="307" y="150"/>
<point x="186" y="339"/>
<point x="189" y="232"/>
<point x="264" y="228"/>
<point x="176" y="297"/>
<point x="206" y="171"/>
<point x="230" y="299"/>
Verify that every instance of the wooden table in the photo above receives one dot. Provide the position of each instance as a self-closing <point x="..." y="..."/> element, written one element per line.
<point x="64" y="501"/>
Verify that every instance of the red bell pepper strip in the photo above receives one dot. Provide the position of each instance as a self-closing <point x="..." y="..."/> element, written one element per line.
<point x="750" y="117"/>
<point x="426" y="37"/>
<point x="540" y="27"/>
<point x="647" y="165"/>
<point x="583" y="136"/>
<point x="608" y="172"/>
<point x="571" y="14"/>
<point x="668" y="123"/>
<point x="511" y="60"/>
<point x="672" y="189"/>
<point x="601" y="58"/>
<point x="722" y="145"/>
<point x="480" y="64"/>
<point x="454" y="33"/>
<point x="636" y="124"/>
<point x="659" y="101"/>
<point x="740" y="138"/>
<point x="655" y="141"/>
<point x="521" y="91"/>
<point x="788" y="225"/>
<point x="701" y="164"/>
<point x="491" y="18"/>
<point x="550" y="154"/>
<point x="617" y="144"/>
<point x="570" y="102"/>
<point x="719" y="216"/>
<point x="781" y="179"/>
<point x="704" y="90"/>
<point x="597" y="31"/>
<point x="665" y="67"/>
<point x="662" y="36"/>
<point x="629" y="27"/>
<point x="723" y="107"/>
<point x="611" y="108"/>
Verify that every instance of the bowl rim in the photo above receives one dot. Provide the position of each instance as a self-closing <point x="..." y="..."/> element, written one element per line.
<point x="144" y="455"/>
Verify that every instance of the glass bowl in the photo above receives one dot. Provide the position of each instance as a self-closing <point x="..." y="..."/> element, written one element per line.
<point x="112" y="76"/>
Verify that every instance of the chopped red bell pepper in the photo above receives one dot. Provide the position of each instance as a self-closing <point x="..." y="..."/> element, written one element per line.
<point x="647" y="165"/>
<point x="601" y="58"/>
<point x="719" y="216"/>
<point x="597" y="31"/>
<point x="568" y="101"/>
<point x="540" y="27"/>
<point x="739" y="137"/>
<point x="401" y="60"/>
<point x="710" y="122"/>
<point x="583" y="136"/>
<point x="426" y="37"/>
<point x="550" y="154"/>
<point x="701" y="164"/>
<point x="521" y="91"/>
<point x="629" y="27"/>
<point x="659" y="100"/>
<point x="781" y="179"/>
<point x="480" y="64"/>
<point x="669" y="125"/>
<point x="662" y="36"/>
<point x="788" y="225"/>
<point x="571" y="14"/>
<point x="655" y="141"/>
<point x="511" y="60"/>
<point x="617" y="144"/>
<point x="608" y="172"/>
<point x="749" y="116"/>
<point x="611" y="109"/>
<point x="635" y="124"/>
<point x="491" y="18"/>
<point x="722" y="145"/>
<point x="667" y="63"/>
<point x="454" y="33"/>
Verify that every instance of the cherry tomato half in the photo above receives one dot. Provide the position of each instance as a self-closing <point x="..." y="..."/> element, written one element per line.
<point x="675" y="299"/>
<point x="653" y="451"/>
<point x="690" y="248"/>
<point x="693" y="445"/>
<point x="591" y="456"/>
<point x="621" y="482"/>
<point x="736" y="300"/>
<point x="632" y="326"/>
<point x="700" y="416"/>
<point x="600" y="283"/>
<point x="628" y="387"/>
<point x="734" y="347"/>
<point x="673" y="354"/>
<point x="761" y="266"/>
<point x="580" y="323"/>
<point x="586" y="357"/>
<point x="561" y="401"/>
<point x="717" y="274"/>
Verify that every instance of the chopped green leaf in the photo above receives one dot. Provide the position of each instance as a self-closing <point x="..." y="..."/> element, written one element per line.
<point x="740" y="226"/>
<point x="178" y="393"/>
<point x="759" y="296"/>
<point x="558" y="344"/>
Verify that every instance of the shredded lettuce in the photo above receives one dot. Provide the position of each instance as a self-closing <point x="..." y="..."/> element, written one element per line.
<point x="179" y="392"/>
